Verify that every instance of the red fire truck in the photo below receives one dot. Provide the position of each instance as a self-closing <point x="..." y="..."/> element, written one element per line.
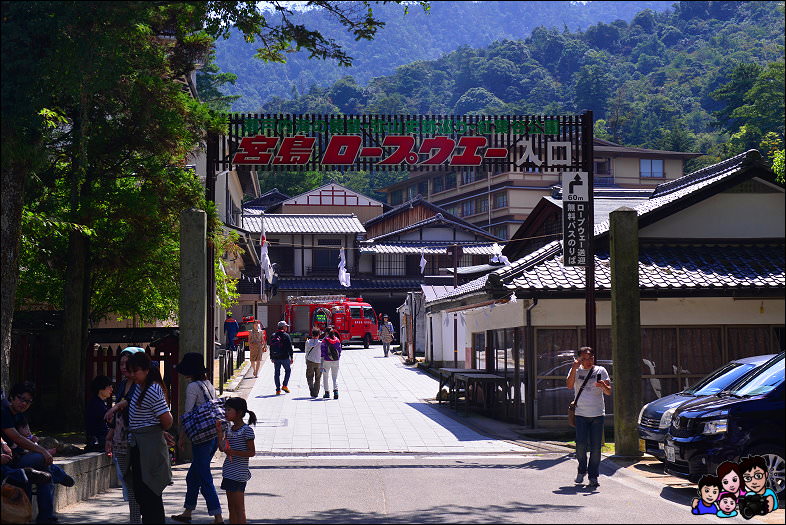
<point x="353" y="318"/>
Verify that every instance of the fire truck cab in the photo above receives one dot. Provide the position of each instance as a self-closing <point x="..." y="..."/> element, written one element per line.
<point x="354" y="319"/>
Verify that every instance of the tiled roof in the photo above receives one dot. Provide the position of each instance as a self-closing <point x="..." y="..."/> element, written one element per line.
<point x="432" y="291"/>
<point x="470" y="288"/>
<point x="316" y="283"/>
<point x="428" y="247"/>
<point x="604" y="206"/>
<point x="266" y="200"/>
<point x="605" y="146"/>
<point x="671" y="192"/>
<point x="418" y="200"/>
<point x="437" y="219"/>
<point x="302" y="223"/>
<point x="684" y="267"/>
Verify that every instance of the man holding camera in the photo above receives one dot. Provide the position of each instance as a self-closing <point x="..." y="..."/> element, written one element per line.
<point x="589" y="383"/>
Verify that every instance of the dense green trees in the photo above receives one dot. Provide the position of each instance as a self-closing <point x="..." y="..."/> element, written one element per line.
<point x="704" y="76"/>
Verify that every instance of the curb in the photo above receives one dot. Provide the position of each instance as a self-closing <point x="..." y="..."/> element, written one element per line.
<point x="237" y="378"/>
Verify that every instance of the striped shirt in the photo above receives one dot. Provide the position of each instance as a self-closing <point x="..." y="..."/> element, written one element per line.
<point x="235" y="467"/>
<point x="153" y="405"/>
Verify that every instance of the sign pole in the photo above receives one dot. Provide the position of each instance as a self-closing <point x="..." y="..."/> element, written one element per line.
<point x="589" y="168"/>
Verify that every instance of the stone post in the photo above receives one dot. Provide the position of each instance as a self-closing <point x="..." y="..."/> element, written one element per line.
<point x="193" y="297"/>
<point x="625" y="329"/>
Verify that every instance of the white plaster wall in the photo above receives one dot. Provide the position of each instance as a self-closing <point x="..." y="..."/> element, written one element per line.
<point x="726" y="216"/>
<point x="667" y="311"/>
<point x="443" y="336"/>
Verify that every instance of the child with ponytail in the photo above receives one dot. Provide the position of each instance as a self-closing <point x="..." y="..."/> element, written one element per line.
<point x="237" y="442"/>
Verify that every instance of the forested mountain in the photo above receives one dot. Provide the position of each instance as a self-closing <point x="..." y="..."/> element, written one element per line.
<point x="702" y="76"/>
<point x="406" y="38"/>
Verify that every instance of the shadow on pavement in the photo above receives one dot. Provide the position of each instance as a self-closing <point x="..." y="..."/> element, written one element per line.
<point x="536" y="464"/>
<point x="509" y="513"/>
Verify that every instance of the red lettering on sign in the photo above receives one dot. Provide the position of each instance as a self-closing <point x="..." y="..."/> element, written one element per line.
<point x="255" y="150"/>
<point x="342" y="149"/>
<point x="371" y="152"/>
<point x="496" y="153"/>
<point x="470" y="156"/>
<point x="404" y="150"/>
<point x="443" y="145"/>
<point x="295" y="150"/>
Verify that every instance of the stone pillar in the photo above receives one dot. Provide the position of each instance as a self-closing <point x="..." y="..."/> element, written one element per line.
<point x="625" y="329"/>
<point x="193" y="296"/>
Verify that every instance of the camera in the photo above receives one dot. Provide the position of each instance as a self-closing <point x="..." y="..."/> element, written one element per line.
<point x="751" y="505"/>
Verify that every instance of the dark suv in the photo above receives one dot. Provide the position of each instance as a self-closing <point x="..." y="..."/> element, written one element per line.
<point x="655" y="417"/>
<point x="747" y="419"/>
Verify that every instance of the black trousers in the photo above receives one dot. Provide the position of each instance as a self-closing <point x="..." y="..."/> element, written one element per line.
<point x="150" y="504"/>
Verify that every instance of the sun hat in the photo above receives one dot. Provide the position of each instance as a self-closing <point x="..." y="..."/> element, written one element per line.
<point x="191" y="365"/>
<point x="282" y="324"/>
<point x="131" y="350"/>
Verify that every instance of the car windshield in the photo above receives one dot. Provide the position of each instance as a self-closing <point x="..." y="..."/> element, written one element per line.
<point x="720" y="379"/>
<point x="766" y="380"/>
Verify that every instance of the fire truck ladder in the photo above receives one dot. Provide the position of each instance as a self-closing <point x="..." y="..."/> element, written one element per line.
<point x="312" y="299"/>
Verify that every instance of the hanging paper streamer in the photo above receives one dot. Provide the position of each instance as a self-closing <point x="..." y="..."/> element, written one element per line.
<point x="498" y="257"/>
<point x="422" y="262"/>
<point x="513" y="298"/>
<point x="343" y="274"/>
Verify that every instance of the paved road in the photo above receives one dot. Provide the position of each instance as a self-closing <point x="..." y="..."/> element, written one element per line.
<point x="380" y="409"/>
<point x="329" y="461"/>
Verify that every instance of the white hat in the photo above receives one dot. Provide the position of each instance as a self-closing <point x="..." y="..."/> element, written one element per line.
<point x="282" y="324"/>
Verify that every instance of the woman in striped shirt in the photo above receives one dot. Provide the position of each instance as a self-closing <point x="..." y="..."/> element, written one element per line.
<point x="237" y="442"/>
<point x="148" y="419"/>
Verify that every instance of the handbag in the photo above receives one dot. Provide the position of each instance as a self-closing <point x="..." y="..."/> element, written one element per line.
<point x="572" y="405"/>
<point x="199" y="423"/>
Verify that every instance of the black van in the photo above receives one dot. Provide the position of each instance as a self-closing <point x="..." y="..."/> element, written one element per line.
<point x="747" y="419"/>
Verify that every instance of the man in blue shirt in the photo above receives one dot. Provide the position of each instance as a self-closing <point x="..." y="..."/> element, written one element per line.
<point x="231" y="328"/>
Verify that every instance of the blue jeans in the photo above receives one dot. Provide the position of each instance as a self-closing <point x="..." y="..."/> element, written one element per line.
<point x="287" y="371"/>
<point x="199" y="478"/>
<point x="46" y="493"/>
<point x="589" y="434"/>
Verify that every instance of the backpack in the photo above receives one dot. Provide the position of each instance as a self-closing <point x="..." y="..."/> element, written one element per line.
<point x="332" y="351"/>
<point x="276" y="346"/>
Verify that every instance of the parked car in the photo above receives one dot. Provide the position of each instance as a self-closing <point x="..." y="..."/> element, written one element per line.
<point x="655" y="417"/>
<point x="746" y="419"/>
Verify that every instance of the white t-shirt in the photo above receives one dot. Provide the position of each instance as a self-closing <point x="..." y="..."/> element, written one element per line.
<point x="314" y="350"/>
<point x="591" y="403"/>
<point x="195" y="394"/>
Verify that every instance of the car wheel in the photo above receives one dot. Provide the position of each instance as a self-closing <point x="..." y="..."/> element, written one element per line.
<point x="776" y="466"/>
<point x="366" y="340"/>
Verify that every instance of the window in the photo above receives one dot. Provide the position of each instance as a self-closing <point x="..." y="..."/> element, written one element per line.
<point x="467" y="176"/>
<point x="437" y="185"/>
<point x="396" y="197"/>
<point x="450" y="181"/>
<point x="423" y="188"/>
<point x="467" y="208"/>
<point x="282" y="256"/>
<point x="326" y="258"/>
<point x="368" y="313"/>
<point x="354" y="312"/>
<point x="651" y="168"/>
<point x="391" y="264"/>
<point x="411" y="192"/>
<point x="500" y="231"/>
<point x="603" y="166"/>
<point x="481" y="205"/>
<point x="500" y="200"/>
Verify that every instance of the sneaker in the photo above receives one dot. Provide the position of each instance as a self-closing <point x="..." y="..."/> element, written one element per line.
<point x="579" y="478"/>
<point x="335" y="394"/>
<point x="278" y="392"/>
<point x="594" y="483"/>
<point x="327" y="395"/>
<point x="285" y="388"/>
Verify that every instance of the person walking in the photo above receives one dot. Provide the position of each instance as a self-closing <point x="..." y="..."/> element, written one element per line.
<point x="313" y="362"/>
<point x="331" y="353"/>
<point x="117" y="438"/>
<point x="589" y="383"/>
<point x="199" y="478"/>
<point x="237" y="442"/>
<point x="231" y="328"/>
<point x="386" y="334"/>
<point x="148" y="419"/>
<point x="257" y="345"/>
<point x="282" y="354"/>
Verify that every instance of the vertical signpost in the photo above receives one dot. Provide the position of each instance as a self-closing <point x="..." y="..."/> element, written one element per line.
<point x="575" y="219"/>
